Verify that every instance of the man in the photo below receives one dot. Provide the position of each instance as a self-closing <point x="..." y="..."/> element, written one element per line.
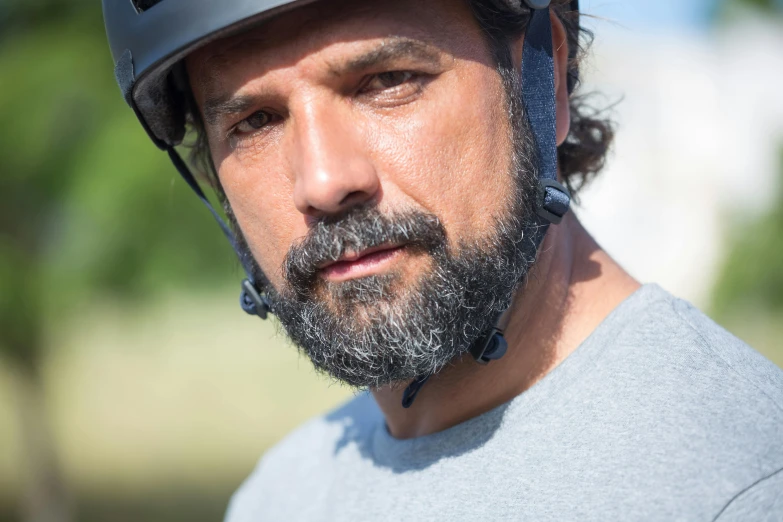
<point x="389" y="171"/>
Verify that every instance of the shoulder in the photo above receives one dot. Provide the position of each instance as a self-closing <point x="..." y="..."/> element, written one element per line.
<point x="669" y="335"/>
<point x="710" y="405"/>
<point x="307" y="455"/>
<point x="747" y="414"/>
<point x="697" y="347"/>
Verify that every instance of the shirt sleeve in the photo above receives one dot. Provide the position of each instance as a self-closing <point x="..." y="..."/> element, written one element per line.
<point x="762" y="501"/>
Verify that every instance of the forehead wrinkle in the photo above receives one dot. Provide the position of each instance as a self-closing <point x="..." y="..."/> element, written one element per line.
<point x="210" y="68"/>
<point x="306" y="30"/>
<point x="260" y="38"/>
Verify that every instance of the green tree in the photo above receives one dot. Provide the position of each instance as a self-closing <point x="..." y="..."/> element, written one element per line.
<point x="727" y="10"/>
<point x="751" y="279"/>
<point x="88" y="207"/>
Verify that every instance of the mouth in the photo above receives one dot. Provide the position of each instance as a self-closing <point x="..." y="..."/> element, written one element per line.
<point x="354" y="265"/>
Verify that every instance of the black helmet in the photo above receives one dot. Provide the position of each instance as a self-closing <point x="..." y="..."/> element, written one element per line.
<point x="149" y="39"/>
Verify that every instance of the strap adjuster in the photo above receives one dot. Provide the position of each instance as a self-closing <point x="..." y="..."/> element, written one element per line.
<point x="491" y="347"/>
<point x="554" y="200"/>
<point x="253" y="303"/>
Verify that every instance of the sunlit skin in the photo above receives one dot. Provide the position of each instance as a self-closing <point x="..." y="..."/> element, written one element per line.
<point x="396" y="104"/>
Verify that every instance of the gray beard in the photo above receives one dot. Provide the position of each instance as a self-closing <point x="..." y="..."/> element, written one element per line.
<point x="375" y="331"/>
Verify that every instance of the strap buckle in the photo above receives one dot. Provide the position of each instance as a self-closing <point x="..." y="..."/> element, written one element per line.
<point x="491" y="347"/>
<point x="252" y="301"/>
<point x="412" y="391"/>
<point x="554" y="200"/>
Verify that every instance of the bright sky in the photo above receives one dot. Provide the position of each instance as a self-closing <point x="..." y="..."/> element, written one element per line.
<point x="653" y="15"/>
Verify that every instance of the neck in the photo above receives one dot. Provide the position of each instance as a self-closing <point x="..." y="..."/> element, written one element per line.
<point x="572" y="287"/>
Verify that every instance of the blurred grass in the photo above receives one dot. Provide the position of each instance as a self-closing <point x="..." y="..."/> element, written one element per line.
<point x="747" y="297"/>
<point x="160" y="412"/>
<point x="763" y="331"/>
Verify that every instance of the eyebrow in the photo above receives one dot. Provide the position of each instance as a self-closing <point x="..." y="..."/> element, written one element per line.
<point x="395" y="48"/>
<point x="389" y="50"/>
<point x="216" y="107"/>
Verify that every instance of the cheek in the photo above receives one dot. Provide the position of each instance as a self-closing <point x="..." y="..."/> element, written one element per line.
<point x="451" y="152"/>
<point x="262" y="204"/>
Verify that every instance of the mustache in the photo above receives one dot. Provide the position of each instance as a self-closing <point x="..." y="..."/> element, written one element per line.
<point x="358" y="229"/>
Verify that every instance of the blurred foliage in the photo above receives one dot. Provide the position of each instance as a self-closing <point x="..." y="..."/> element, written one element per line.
<point x="763" y="5"/>
<point x="87" y="204"/>
<point x="751" y="278"/>
<point x="90" y="210"/>
<point x="728" y="10"/>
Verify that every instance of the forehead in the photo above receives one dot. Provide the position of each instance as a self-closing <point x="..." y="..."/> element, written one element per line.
<point x="339" y="26"/>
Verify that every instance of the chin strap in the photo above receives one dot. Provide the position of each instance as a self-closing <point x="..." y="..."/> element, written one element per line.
<point x="251" y="299"/>
<point x="538" y="95"/>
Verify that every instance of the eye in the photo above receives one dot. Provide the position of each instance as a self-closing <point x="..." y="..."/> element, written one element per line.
<point x="254" y="122"/>
<point x="388" y="80"/>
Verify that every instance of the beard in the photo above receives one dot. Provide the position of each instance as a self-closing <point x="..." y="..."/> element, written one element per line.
<point x="383" y="329"/>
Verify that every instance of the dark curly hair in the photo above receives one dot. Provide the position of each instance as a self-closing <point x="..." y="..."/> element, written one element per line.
<point x="583" y="154"/>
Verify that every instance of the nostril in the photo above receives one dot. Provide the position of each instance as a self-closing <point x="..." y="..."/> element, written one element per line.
<point x="354" y="198"/>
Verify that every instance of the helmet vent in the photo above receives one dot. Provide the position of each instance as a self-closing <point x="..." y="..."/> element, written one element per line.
<point x="143" y="5"/>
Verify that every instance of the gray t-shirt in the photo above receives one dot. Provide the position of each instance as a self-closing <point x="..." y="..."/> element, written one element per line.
<point x="659" y="415"/>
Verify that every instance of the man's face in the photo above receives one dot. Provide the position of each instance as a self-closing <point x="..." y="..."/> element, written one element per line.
<point x="367" y="155"/>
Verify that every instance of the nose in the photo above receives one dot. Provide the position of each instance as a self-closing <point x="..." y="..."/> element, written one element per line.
<point x="331" y="165"/>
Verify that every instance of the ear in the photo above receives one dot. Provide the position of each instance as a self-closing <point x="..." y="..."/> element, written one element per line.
<point x="563" y="108"/>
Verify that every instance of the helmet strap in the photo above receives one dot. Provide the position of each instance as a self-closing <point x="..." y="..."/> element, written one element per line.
<point x="253" y="301"/>
<point x="553" y="201"/>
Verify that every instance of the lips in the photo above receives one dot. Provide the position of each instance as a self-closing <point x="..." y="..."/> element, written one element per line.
<point x="353" y="265"/>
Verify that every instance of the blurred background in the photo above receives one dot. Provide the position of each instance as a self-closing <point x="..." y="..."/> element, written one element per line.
<point x="132" y="387"/>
